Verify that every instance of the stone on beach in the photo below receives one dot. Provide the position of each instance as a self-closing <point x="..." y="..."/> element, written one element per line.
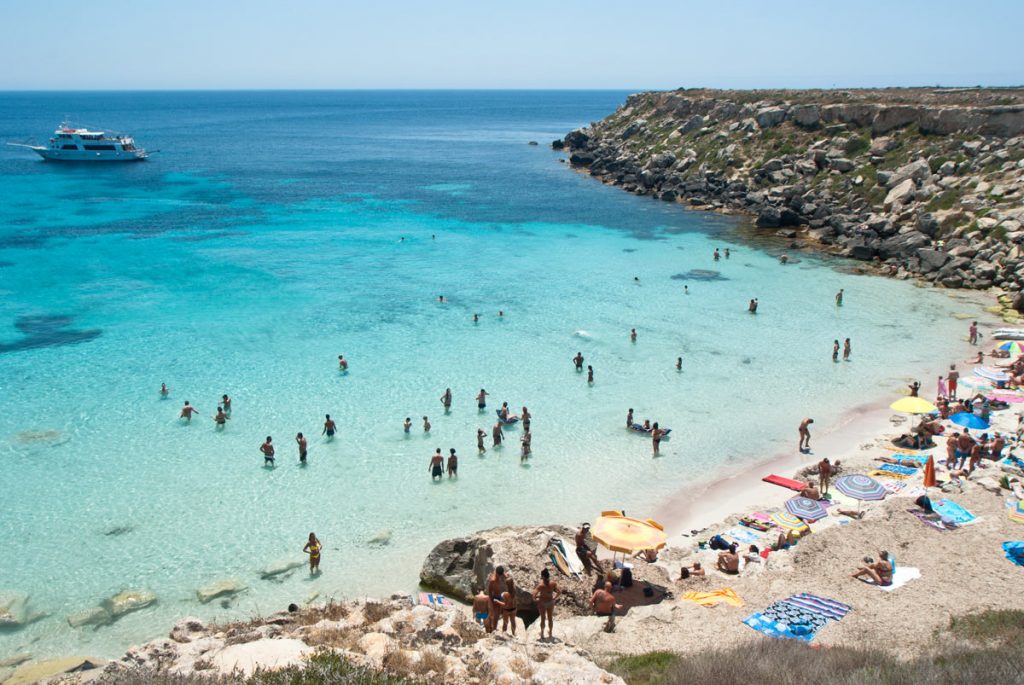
<point x="264" y="654"/>
<point x="222" y="588"/>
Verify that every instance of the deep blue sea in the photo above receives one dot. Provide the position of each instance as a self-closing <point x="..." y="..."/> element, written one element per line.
<point x="273" y="231"/>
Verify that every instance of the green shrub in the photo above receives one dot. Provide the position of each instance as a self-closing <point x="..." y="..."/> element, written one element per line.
<point x="857" y="145"/>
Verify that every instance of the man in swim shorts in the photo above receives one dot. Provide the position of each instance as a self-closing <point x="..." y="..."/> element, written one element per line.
<point x="187" y="411"/>
<point x="951" y="380"/>
<point x="164" y="391"/>
<point x="481" y="399"/>
<point x="481" y="608"/>
<point x="495" y="587"/>
<point x="407" y="426"/>
<point x="268" y="451"/>
<point x="436" y="466"/>
<point x="342" y="363"/>
<point x="632" y="335"/>
<point x="717" y="255"/>
<point x="426" y="425"/>
<point x="578" y="361"/>
<point x="496" y="433"/>
<point x="329" y="427"/>
<point x="301" y="441"/>
<point x="805" y="435"/>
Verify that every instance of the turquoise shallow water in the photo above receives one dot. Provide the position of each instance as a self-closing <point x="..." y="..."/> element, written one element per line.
<point x="266" y="239"/>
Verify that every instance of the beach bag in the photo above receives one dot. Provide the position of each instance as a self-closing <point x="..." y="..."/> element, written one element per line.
<point x="627" y="577"/>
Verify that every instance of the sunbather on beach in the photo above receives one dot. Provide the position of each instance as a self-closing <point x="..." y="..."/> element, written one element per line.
<point x="648" y="555"/>
<point x="729" y="561"/>
<point x="604" y="604"/>
<point x="584" y="551"/>
<point x="785" y="540"/>
<point x="810" y="492"/>
<point x="880" y="572"/>
<point x="858" y="514"/>
<point x="753" y="555"/>
<point x="965" y="445"/>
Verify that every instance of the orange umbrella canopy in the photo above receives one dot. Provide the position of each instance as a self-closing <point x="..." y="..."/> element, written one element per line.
<point x="620" y="533"/>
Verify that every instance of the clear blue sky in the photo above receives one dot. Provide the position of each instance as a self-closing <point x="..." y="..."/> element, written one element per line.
<point x="173" y="44"/>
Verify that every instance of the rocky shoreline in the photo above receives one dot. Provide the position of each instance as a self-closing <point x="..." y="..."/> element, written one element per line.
<point x="920" y="183"/>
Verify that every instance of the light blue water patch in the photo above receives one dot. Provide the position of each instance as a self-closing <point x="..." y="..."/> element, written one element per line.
<point x="202" y="271"/>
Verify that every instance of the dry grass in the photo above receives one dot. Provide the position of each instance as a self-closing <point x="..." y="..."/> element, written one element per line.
<point x="331" y="611"/>
<point x="431" y="660"/>
<point x="375" y="611"/>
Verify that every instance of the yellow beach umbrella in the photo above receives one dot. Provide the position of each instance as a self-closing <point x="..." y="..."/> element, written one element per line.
<point x="913" y="405"/>
<point x="787" y="520"/>
<point x="620" y="533"/>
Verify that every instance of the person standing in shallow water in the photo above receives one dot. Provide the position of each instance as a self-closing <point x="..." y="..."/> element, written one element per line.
<point x="187" y="411"/>
<point x="480" y="435"/>
<point x="481" y="399"/>
<point x="629" y="418"/>
<point x="846" y="350"/>
<point x="805" y="435"/>
<point x="329" y="428"/>
<point x="225" y="402"/>
<point x="578" y="361"/>
<point x="342" y="363"/>
<point x="839" y="298"/>
<point x="164" y="391"/>
<point x="407" y="425"/>
<point x="301" y="442"/>
<point x="497" y="434"/>
<point x="426" y="425"/>
<point x="590" y="374"/>
<point x="632" y="335"/>
<point x="835" y="350"/>
<point x="313" y="548"/>
<point x="453" y="463"/>
<point x="679" y="363"/>
<point x="267" y="448"/>
<point x="220" y="418"/>
<point x="446" y="400"/>
<point x="436" y="466"/>
<point x="656" y="435"/>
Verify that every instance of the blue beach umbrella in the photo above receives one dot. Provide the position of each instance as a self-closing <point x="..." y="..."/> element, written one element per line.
<point x="805" y="508"/>
<point x="968" y="420"/>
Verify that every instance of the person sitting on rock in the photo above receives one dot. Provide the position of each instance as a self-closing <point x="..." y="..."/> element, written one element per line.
<point x="604" y="604"/>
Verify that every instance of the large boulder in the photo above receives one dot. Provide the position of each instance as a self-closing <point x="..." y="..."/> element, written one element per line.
<point x="577" y="139"/>
<point x="918" y="170"/>
<point x="769" y="117"/>
<point x="900" y="193"/>
<point x="692" y="124"/>
<point x="128" y="601"/>
<point x="931" y="260"/>
<point x="807" y="116"/>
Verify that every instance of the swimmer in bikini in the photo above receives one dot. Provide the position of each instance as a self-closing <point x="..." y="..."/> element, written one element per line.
<point x="312" y="548"/>
<point x="544" y="596"/>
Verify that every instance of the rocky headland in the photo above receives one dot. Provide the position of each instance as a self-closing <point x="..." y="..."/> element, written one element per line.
<point x="922" y="182"/>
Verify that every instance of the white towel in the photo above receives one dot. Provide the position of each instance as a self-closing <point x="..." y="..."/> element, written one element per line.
<point x="903" y="575"/>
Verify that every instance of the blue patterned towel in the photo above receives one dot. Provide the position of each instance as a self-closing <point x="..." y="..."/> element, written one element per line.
<point x="829" y="608"/>
<point x="893" y="468"/>
<point x="1014" y="551"/>
<point x="948" y="509"/>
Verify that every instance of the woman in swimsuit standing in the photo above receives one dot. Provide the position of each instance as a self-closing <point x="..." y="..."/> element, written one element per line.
<point x="545" y="595"/>
<point x="312" y="548"/>
<point x="508" y="609"/>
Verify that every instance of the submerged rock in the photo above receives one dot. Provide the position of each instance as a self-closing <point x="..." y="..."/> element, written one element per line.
<point x="281" y="568"/>
<point x="128" y="601"/>
<point x="699" y="275"/>
<point x="382" y="537"/>
<point x="222" y="588"/>
<point x="96" y="616"/>
<point x="15" y="611"/>
<point x="40" y="670"/>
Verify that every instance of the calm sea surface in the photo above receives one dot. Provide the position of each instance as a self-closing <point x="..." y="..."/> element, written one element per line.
<point x="265" y="238"/>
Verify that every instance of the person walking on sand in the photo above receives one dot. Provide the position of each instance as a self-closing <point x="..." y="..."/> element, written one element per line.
<point x="578" y="361"/>
<point x="301" y="442"/>
<point x="544" y="596"/>
<point x="268" y="451"/>
<point x="426" y="425"/>
<point x="330" y="428"/>
<point x="497" y="434"/>
<point x="225" y="402"/>
<point x="436" y="467"/>
<point x="220" y="418"/>
<point x="839" y="298"/>
<point x="187" y="411"/>
<point x="805" y="435"/>
<point x="656" y="435"/>
<point x="481" y="399"/>
<point x="453" y="463"/>
<point x="824" y="475"/>
<point x="952" y="378"/>
<point x="590" y="374"/>
<point x="446" y="400"/>
<point x="942" y="391"/>
<point x="480" y="435"/>
<point x="973" y="331"/>
<point x="835" y="350"/>
<point x="313" y="548"/>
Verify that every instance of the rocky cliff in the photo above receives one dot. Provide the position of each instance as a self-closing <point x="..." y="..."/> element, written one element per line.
<point x="923" y="182"/>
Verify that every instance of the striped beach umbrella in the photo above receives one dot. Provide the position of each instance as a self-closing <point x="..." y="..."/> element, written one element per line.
<point x="806" y="508"/>
<point x="1013" y="347"/>
<point x="1017" y="512"/>
<point x="860" y="487"/>
<point x="786" y="520"/>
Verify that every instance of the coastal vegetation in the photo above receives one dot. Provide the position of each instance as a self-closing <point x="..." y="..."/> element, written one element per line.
<point x="984" y="647"/>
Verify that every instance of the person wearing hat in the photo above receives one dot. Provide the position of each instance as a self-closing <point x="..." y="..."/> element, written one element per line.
<point x="583" y="550"/>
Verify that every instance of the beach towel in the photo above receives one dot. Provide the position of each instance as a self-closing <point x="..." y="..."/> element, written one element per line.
<point x="784" y="482"/>
<point x="930" y="521"/>
<point x="782" y="620"/>
<point x="1014" y="551"/>
<point x="433" y="600"/>
<point x="710" y="599"/>
<point x="949" y="509"/>
<point x="893" y="468"/>
<point x="900" y="577"/>
<point x="914" y="492"/>
<point x="904" y="450"/>
<point x="878" y="473"/>
<point x="743" y="535"/>
<point x="829" y="608"/>
<point x="910" y="458"/>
